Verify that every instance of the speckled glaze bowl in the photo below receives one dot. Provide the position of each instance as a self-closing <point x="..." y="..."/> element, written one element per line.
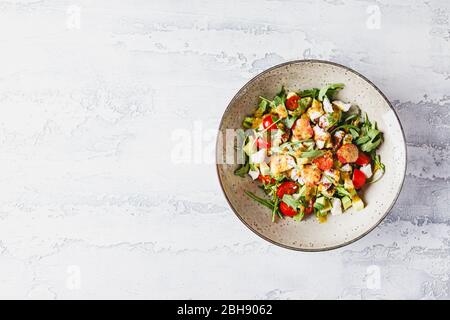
<point x="310" y="235"/>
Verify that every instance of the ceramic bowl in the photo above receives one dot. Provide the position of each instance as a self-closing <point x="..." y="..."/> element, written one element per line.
<point x="309" y="234"/>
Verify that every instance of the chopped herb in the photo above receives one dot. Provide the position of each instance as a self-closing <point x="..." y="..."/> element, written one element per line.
<point x="350" y="117"/>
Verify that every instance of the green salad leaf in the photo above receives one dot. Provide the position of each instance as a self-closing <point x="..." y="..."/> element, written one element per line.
<point x="311" y="93"/>
<point x="264" y="202"/>
<point x="243" y="169"/>
<point x="329" y="90"/>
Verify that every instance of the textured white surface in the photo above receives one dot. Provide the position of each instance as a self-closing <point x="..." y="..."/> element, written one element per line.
<point x="92" y="205"/>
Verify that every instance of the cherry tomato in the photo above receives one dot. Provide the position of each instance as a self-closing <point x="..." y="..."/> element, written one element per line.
<point x="287" y="210"/>
<point x="348" y="153"/>
<point x="292" y="103"/>
<point x="267" y="122"/>
<point x="288" y="187"/>
<point x="324" y="162"/>
<point x="266" y="179"/>
<point x="363" y="159"/>
<point x="262" y="144"/>
<point x="359" y="179"/>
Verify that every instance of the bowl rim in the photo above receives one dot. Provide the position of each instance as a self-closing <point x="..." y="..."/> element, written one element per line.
<point x="358" y="75"/>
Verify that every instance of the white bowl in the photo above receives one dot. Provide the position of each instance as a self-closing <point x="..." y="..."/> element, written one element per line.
<point x="309" y="234"/>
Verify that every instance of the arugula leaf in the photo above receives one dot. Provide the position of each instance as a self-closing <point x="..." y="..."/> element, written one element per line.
<point x="277" y="101"/>
<point x="265" y="99"/>
<point x="243" y="169"/>
<point x="346" y="126"/>
<point x="329" y="90"/>
<point x="262" y="201"/>
<point x="312" y="93"/>
<point x="362" y="140"/>
<point x="373" y="133"/>
<point x="275" y="208"/>
<point x="354" y="133"/>
<point x="371" y="145"/>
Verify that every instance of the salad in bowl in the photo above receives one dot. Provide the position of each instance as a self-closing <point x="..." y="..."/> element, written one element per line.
<point x="311" y="153"/>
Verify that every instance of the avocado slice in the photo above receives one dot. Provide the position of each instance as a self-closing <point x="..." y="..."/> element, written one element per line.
<point x="346" y="202"/>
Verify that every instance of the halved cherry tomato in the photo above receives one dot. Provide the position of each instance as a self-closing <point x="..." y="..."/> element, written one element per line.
<point x="292" y="103"/>
<point x="288" y="187"/>
<point x="359" y="179"/>
<point x="348" y="153"/>
<point x="324" y="162"/>
<point x="262" y="144"/>
<point x="266" y="179"/>
<point x="287" y="210"/>
<point x="267" y="122"/>
<point x="363" y="159"/>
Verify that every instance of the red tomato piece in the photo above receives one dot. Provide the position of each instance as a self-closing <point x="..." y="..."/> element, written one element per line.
<point x="288" y="187"/>
<point x="363" y="159"/>
<point x="266" y="179"/>
<point x="262" y="144"/>
<point x="348" y="153"/>
<point x="359" y="179"/>
<point x="324" y="162"/>
<point x="267" y="123"/>
<point x="292" y="103"/>
<point x="287" y="210"/>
